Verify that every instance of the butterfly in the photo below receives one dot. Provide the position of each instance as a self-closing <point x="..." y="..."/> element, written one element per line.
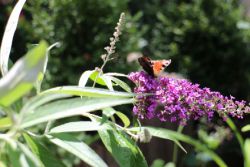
<point x="153" y="67"/>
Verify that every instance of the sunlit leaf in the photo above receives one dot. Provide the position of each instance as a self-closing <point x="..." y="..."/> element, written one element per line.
<point x="68" y="91"/>
<point x="108" y="112"/>
<point x="19" y="80"/>
<point x="88" y="91"/>
<point x="78" y="126"/>
<point x="124" y="118"/>
<point x="108" y="82"/>
<point x="69" y="107"/>
<point x="158" y="163"/>
<point x="2" y="164"/>
<point x="236" y="132"/>
<point x="5" y="123"/>
<point x="78" y="148"/>
<point x="43" y="99"/>
<point x="247" y="153"/>
<point x="170" y="164"/>
<point x="84" y="78"/>
<point x="39" y="81"/>
<point x="122" y="84"/>
<point x="116" y="74"/>
<point x="96" y="77"/>
<point x="245" y="128"/>
<point x="8" y="36"/>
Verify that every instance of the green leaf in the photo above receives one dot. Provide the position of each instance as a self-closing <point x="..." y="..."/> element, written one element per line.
<point x="69" y="107"/>
<point x="159" y="132"/>
<point x="116" y="74"/>
<point x="94" y="77"/>
<point x="236" y="132"/>
<point x="108" y="82"/>
<point x="170" y="164"/>
<point x="124" y="118"/>
<point x="42" y="99"/>
<point x="160" y="16"/>
<point x="175" y="136"/>
<point x="122" y="84"/>
<point x="245" y="128"/>
<point x="88" y="91"/>
<point x="108" y="112"/>
<point x="44" y="154"/>
<point x="123" y="149"/>
<point x="5" y="123"/>
<point x="247" y="153"/>
<point x="2" y="164"/>
<point x="39" y="81"/>
<point x="84" y="78"/>
<point x="18" y="158"/>
<point x="78" y="126"/>
<point x="19" y="80"/>
<point x="8" y="36"/>
<point x="30" y="156"/>
<point x="78" y="148"/>
<point x="158" y="163"/>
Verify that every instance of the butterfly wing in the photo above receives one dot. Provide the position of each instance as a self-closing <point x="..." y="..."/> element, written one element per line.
<point x="146" y="64"/>
<point x="159" y="65"/>
<point x="153" y="67"/>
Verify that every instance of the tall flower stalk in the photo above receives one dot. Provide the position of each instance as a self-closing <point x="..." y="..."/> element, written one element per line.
<point x="111" y="48"/>
<point x="178" y="100"/>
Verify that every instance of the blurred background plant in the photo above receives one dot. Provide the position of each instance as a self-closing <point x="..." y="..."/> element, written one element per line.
<point x="208" y="42"/>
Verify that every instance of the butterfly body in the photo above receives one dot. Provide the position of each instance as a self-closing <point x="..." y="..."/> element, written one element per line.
<point x="153" y="67"/>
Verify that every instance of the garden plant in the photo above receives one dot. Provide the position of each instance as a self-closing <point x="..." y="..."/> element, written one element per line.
<point x="33" y="120"/>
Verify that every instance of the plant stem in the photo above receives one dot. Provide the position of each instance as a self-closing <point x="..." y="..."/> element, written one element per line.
<point x="175" y="150"/>
<point x="237" y="134"/>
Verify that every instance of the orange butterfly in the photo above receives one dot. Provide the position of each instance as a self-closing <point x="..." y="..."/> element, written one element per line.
<point x="153" y="67"/>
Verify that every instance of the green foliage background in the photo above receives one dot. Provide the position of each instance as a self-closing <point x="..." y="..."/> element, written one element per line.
<point x="205" y="39"/>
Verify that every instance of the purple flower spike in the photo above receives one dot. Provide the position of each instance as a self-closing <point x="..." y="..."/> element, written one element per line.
<point x="178" y="100"/>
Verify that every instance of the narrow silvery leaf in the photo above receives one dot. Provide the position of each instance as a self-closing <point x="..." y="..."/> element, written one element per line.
<point x="84" y="78"/>
<point x="122" y="148"/>
<point x="69" y="107"/>
<point x="78" y="148"/>
<point x="19" y="80"/>
<point x="88" y="91"/>
<point x="122" y="84"/>
<point x="78" y="126"/>
<point x="39" y="81"/>
<point x="108" y="82"/>
<point x="8" y="36"/>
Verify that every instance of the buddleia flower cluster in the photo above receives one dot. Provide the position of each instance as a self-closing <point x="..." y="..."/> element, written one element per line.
<point x="179" y="100"/>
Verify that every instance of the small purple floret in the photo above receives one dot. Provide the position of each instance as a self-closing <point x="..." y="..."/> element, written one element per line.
<point x="178" y="100"/>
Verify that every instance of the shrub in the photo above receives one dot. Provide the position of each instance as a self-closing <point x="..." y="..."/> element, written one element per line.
<point x="204" y="38"/>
